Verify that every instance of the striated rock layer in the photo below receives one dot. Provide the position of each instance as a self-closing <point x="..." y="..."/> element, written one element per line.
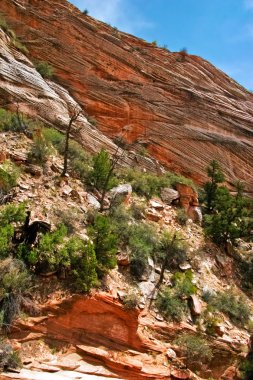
<point x="184" y="110"/>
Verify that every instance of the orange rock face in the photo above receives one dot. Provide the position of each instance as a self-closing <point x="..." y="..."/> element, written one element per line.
<point x="187" y="111"/>
<point x="98" y="318"/>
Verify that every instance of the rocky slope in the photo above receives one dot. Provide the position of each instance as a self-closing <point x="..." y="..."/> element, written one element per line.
<point x="85" y="337"/>
<point x="184" y="110"/>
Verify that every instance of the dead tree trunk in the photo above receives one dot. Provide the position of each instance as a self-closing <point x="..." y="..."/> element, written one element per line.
<point x="74" y="114"/>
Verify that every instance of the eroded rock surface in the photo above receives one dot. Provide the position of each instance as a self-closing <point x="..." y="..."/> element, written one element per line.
<point x="185" y="112"/>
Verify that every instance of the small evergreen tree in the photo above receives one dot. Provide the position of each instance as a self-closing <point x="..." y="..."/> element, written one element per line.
<point x="83" y="263"/>
<point x="216" y="176"/>
<point x="105" y="243"/>
<point x="230" y="219"/>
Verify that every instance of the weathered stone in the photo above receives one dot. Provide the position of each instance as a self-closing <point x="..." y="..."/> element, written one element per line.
<point x="169" y="195"/>
<point x="92" y="201"/>
<point x="143" y="93"/>
<point x="195" y="305"/>
<point x="153" y="215"/>
<point x="185" y="266"/>
<point x="154" y="203"/>
<point x="121" y="193"/>
<point x="171" y="354"/>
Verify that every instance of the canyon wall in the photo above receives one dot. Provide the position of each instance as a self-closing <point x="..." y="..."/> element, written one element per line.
<point x="180" y="107"/>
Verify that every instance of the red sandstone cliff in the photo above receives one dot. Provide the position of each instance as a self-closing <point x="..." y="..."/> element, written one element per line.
<point x="187" y="112"/>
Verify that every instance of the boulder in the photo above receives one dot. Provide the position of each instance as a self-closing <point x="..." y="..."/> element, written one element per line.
<point x="171" y="354"/>
<point x="169" y="195"/>
<point x="92" y="201"/>
<point x="121" y="193"/>
<point x="195" y="213"/>
<point x="156" y="204"/>
<point x="195" y="305"/>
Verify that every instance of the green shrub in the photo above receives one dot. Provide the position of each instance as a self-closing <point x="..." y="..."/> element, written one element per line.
<point x="181" y="217"/>
<point x="105" y="243"/>
<point x="231" y="218"/>
<point x="39" y="151"/>
<point x="68" y="217"/>
<point x="85" y="12"/>
<point x="15" y="41"/>
<point x="79" y="160"/>
<point x="92" y="120"/>
<point x="45" y="69"/>
<point x="100" y="176"/>
<point x="131" y="301"/>
<point x="211" y="321"/>
<point x="120" y="219"/>
<point x="9" y="216"/>
<point x="83" y="263"/>
<point x="183" y="284"/>
<point x="149" y="184"/>
<point x="54" y="137"/>
<point x="6" y="235"/>
<point x="194" y="347"/>
<point x="12" y="214"/>
<point x="16" y="122"/>
<point x="235" y="307"/>
<point x="9" y="359"/>
<point x="20" y="46"/>
<point x="171" y="306"/>
<point x="14" y="281"/>
<point x="138" y="210"/>
<point x="142" y="241"/>
<point x="9" y="174"/>
<point x="49" y="254"/>
<point x="144" y="184"/>
<point x="174" y="251"/>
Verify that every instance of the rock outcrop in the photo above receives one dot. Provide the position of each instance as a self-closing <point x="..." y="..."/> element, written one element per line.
<point x="185" y="111"/>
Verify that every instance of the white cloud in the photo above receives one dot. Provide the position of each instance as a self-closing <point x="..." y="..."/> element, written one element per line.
<point x="119" y="13"/>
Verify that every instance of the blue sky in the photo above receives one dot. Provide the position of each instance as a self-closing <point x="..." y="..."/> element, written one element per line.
<point x="220" y="31"/>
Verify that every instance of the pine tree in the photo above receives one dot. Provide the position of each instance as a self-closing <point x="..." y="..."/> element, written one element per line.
<point x="216" y="176"/>
<point x="230" y="219"/>
<point x="105" y="243"/>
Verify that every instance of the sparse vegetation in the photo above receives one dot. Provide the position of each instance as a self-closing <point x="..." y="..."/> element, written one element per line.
<point x="105" y="243"/>
<point x="14" y="281"/>
<point x="131" y="301"/>
<point x="9" y="174"/>
<point x="45" y="69"/>
<point x="39" y="151"/>
<point x="232" y="305"/>
<point x="181" y="217"/>
<point x="194" y="347"/>
<point x="9" y="359"/>
<point x="149" y="185"/>
<point x="171" y="306"/>
<point x="15" y="41"/>
<point x="183" y="284"/>
<point x="230" y="218"/>
<point x="92" y="120"/>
